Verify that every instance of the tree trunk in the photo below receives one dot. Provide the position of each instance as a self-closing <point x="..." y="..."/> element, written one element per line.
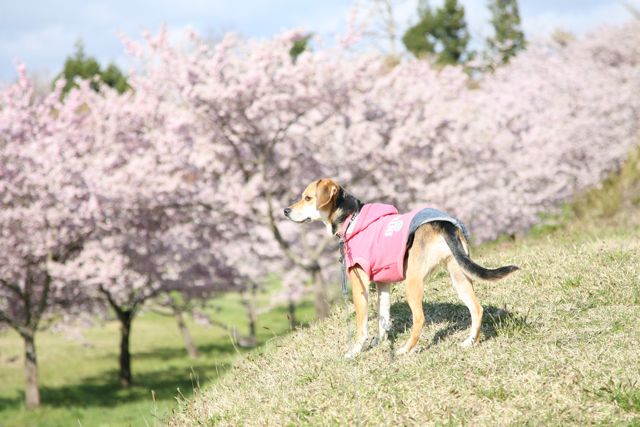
<point x="320" y="288"/>
<point x="32" y="392"/>
<point x="292" y="314"/>
<point x="126" y="318"/>
<point x="252" y="313"/>
<point x="186" y="335"/>
<point x="253" y="320"/>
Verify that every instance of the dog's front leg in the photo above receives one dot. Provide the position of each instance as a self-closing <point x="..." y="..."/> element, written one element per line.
<point x="360" y="292"/>
<point x="384" y="315"/>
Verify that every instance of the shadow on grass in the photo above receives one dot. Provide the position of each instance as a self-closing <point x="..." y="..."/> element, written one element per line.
<point x="209" y="350"/>
<point x="455" y="317"/>
<point x="104" y="390"/>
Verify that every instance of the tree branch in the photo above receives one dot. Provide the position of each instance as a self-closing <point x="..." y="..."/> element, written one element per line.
<point x="4" y="318"/>
<point x="13" y="288"/>
<point x="284" y="245"/>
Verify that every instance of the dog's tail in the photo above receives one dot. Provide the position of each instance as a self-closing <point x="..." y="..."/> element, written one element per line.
<point x="453" y="241"/>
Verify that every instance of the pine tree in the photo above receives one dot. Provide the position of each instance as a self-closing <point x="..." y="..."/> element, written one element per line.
<point x="300" y="45"/>
<point x="452" y="32"/>
<point x="508" y="39"/>
<point x="418" y="39"/>
<point x="113" y="77"/>
<point x="86" y="67"/>
<point x="442" y="33"/>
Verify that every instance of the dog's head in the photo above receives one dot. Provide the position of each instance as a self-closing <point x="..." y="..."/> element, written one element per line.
<point x="318" y="202"/>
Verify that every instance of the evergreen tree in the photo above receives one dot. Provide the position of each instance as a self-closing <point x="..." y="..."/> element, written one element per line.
<point x="419" y="39"/>
<point x="300" y="45"/>
<point x="86" y="67"/>
<point x="113" y="77"/>
<point x="508" y="39"/>
<point x="452" y="33"/>
<point x="442" y="33"/>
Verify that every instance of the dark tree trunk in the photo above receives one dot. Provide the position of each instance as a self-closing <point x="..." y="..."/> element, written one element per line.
<point x="291" y="314"/>
<point x="32" y="392"/>
<point x="126" y="318"/>
<point x="252" y="314"/>
<point x="186" y="335"/>
<point x="253" y="320"/>
<point x="320" y="287"/>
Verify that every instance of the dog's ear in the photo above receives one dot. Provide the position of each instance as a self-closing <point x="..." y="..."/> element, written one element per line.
<point x="326" y="192"/>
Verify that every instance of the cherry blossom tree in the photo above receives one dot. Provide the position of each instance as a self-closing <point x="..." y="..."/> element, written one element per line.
<point x="46" y="212"/>
<point x="192" y="274"/>
<point x="153" y="238"/>
<point x="131" y="267"/>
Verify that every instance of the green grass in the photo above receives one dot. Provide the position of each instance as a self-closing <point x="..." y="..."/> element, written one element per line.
<point x="560" y="342"/>
<point x="79" y="385"/>
<point x="625" y="395"/>
<point x="617" y="194"/>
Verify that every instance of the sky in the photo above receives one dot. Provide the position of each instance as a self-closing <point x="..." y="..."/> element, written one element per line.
<point x="42" y="33"/>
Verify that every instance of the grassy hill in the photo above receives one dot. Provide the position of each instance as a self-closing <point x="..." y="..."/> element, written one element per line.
<point x="560" y="345"/>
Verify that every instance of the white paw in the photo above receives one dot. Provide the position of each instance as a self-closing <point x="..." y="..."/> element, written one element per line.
<point x="403" y="350"/>
<point x="469" y="342"/>
<point x="355" y="350"/>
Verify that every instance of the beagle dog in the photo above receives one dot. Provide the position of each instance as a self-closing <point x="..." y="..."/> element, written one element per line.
<point x="429" y="245"/>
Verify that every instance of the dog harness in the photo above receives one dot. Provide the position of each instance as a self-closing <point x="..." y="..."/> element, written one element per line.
<point x="380" y="236"/>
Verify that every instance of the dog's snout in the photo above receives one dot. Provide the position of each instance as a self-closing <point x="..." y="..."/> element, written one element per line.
<point x="287" y="211"/>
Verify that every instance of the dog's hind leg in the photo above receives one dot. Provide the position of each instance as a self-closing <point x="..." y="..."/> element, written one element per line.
<point x="464" y="287"/>
<point x="416" y="269"/>
<point x="427" y="251"/>
<point x="415" y="289"/>
<point x="360" y="292"/>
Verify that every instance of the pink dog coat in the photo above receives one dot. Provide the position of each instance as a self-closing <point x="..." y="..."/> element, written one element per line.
<point x="377" y="242"/>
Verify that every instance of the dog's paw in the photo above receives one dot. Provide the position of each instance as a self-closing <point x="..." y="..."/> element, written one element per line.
<point x="355" y="350"/>
<point x="469" y="342"/>
<point x="404" y="350"/>
<point x="376" y="341"/>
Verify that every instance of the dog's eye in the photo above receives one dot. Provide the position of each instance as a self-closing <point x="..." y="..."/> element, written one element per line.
<point x="307" y="198"/>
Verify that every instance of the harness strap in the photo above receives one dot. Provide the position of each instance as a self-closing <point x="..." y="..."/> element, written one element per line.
<point x="342" y="234"/>
<point x="343" y="270"/>
<point x="342" y="231"/>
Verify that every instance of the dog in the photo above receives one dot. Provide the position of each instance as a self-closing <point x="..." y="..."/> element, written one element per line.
<point x="368" y="230"/>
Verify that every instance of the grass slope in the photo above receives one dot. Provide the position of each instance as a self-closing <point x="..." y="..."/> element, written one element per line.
<point x="560" y="345"/>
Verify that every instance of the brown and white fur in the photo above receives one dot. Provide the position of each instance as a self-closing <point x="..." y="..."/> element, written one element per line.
<point x="434" y="243"/>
